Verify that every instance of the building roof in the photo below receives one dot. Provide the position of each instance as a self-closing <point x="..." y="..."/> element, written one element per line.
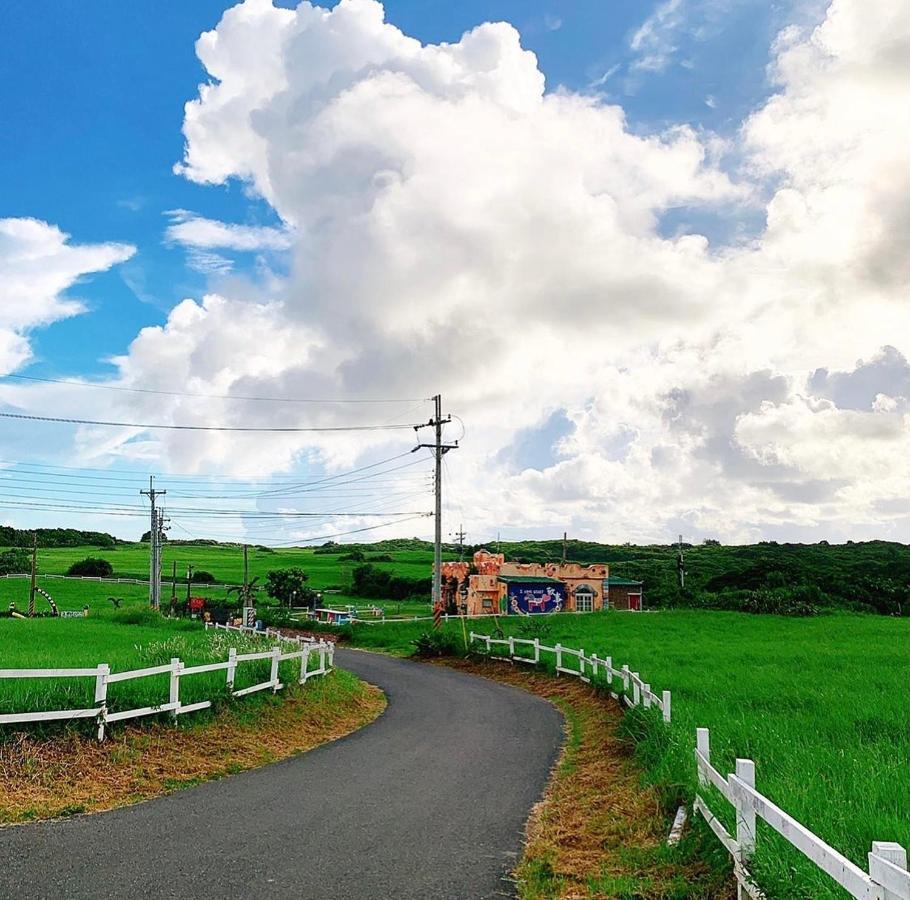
<point x="528" y="579"/>
<point x="620" y="582"/>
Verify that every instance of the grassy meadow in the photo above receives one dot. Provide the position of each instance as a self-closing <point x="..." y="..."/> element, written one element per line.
<point x="820" y="704"/>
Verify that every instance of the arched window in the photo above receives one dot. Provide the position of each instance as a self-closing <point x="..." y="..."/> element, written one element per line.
<point x="584" y="598"/>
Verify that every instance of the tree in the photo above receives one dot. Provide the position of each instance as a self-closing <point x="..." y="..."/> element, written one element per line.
<point x="202" y="577"/>
<point x="92" y="567"/>
<point x="288" y="587"/>
<point x="147" y="536"/>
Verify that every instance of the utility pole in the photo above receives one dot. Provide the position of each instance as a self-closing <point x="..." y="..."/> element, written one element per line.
<point x="173" y="588"/>
<point x="189" y="583"/>
<point x="460" y="536"/>
<point x="439" y="450"/>
<point x="31" y="592"/>
<point x="154" y="535"/>
<point x="249" y="611"/>
<point x="565" y="541"/>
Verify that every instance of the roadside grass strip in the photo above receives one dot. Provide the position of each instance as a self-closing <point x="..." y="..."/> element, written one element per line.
<point x="598" y="832"/>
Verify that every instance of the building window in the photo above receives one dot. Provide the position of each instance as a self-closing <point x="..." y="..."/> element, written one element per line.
<point x="584" y="599"/>
<point x="487" y="604"/>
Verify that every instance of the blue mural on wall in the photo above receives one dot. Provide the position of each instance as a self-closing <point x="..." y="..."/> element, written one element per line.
<point x="533" y="599"/>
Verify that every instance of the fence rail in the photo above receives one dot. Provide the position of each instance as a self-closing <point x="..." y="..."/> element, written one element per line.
<point x="284" y="649"/>
<point x="887" y="877"/>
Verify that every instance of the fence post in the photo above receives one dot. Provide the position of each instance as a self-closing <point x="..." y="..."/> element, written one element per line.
<point x="304" y="664"/>
<point x="511" y="646"/>
<point x="536" y="650"/>
<point x="665" y="705"/>
<point x="625" y="679"/>
<point x="471" y="637"/>
<point x="581" y="662"/>
<point x="646" y="695"/>
<point x="745" y="814"/>
<point x="887" y="852"/>
<point x="703" y="744"/>
<point x="232" y="667"/>
<point x="174" y="697"/>
<point x="558" y="649"/>
<point x="594" y="665"/>
<point x="331" y="654"/>
<point x="101" y="696"/>
<point x="636" y="690"/>
<point x="276" y="658"/>
<point x="608" y="662"/>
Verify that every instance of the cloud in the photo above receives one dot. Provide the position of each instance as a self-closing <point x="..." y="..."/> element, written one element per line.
<point x="655" y="40"/>
<point x="38" y="266"/>
<point x="198" y="232"/>
<point x="454" y="227"/>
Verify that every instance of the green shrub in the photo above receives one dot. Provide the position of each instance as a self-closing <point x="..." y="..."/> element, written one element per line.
<point x="15" y="562"/>
<point x="91" y="566"/>
<point x="138" y="615"/>
<point x="203" y="577"/>
<point x="436" y="643"/>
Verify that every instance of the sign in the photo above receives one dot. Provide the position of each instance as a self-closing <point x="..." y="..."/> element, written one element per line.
<point x="534" y="599"/>
<point x="73" y="613"/>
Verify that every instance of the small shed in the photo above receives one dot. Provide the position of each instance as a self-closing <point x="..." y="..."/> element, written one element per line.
<point x="532" y="594"/>
<point x="622" y="593"/>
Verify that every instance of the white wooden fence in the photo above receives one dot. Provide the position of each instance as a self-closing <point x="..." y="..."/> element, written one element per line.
<point x="177" y="670"/>
<point x="887" y="877"/>
<point x="635" y="692"/>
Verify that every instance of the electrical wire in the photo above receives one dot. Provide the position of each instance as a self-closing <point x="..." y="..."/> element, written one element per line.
<point x="132" y="390"/>
<point x="223" y="428"/>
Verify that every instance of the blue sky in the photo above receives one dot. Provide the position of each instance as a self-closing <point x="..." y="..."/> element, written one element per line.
<point x="92" y="97"/>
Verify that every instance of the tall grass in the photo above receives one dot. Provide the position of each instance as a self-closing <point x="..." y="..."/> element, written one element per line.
<point x="820" y="704"/>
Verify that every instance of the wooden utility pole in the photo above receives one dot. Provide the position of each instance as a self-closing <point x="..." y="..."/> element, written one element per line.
<point x="439" y="450"/>
<point x="31" y="592"/>
<point x="189" y="582"/>
<point x="174" y="588"/>
<point x="154" y="551"/>
<point x="680" y="565"/>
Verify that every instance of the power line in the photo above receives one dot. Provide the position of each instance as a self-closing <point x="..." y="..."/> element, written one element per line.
<point x="132" y="390"/>
<point x="157" y="425"/>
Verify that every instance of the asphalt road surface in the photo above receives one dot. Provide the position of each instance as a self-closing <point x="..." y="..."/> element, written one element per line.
<point x="428" y="801"/>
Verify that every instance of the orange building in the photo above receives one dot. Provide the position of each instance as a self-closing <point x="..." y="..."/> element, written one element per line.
<point x="492" y="585"/>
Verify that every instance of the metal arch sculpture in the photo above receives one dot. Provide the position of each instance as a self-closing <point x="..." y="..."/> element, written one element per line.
<point x="50" y="600"/>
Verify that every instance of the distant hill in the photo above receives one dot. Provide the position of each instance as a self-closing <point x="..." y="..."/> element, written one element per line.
<point x="55" y="537"/>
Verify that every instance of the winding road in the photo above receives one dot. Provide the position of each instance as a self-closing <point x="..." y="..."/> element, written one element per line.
<point x="428" y="801"/>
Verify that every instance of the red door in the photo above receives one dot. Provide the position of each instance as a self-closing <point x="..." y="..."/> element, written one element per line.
<point x="635" y="602"/>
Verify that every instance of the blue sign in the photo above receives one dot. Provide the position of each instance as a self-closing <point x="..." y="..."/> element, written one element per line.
<point x="532" y="599"/>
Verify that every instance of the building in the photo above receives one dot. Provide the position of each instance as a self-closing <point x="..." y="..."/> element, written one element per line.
<point x="492" y="585"/>
<point x="621" y="593"/>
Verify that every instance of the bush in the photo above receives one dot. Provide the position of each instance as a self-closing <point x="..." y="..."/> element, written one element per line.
<point x="381" y="557"/>
<point x="436" y="643"/>
<point x="92" y="567"/>
<point x="353" y="556"/>
<point x="15" y="562"/>
<point x="203" y="577"/>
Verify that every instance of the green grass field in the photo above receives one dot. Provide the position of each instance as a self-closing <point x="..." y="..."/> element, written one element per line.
<point x="326" y="571"/>
<point x="820" y="704"/>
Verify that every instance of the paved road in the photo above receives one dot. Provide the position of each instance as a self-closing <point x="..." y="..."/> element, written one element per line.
<point x="429" y="801"/>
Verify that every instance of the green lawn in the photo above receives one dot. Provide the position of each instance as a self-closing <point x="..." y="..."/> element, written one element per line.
<point x="820" y="704"/>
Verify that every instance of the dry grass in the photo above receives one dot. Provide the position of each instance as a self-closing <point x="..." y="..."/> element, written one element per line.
<point x="71" y="773"/>
<point x="600" y="830"/>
